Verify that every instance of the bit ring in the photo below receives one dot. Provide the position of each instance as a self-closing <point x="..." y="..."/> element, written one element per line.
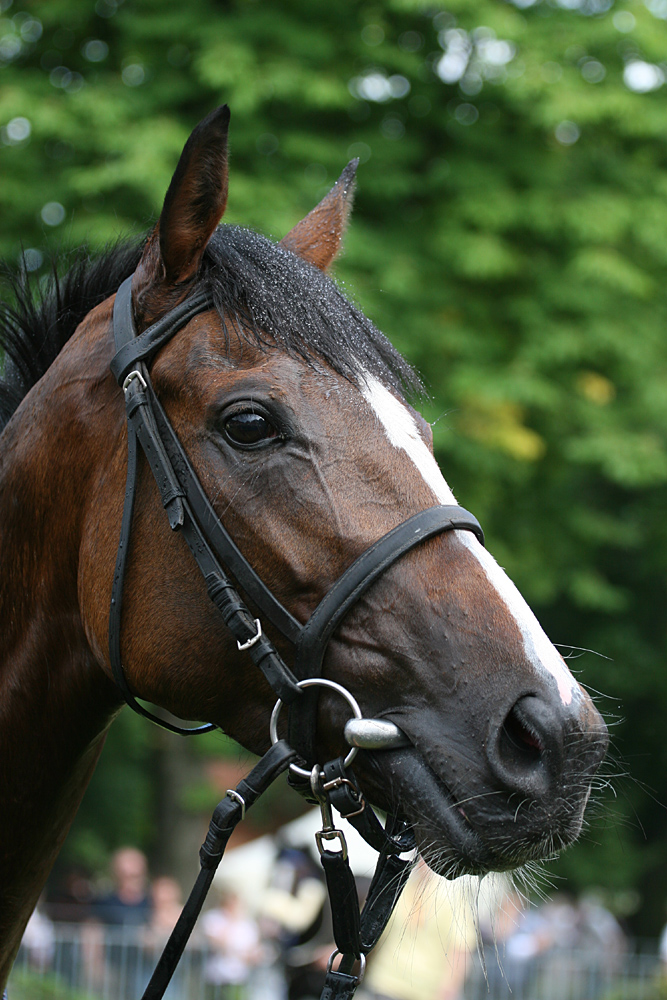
<point x="315" y="682"/>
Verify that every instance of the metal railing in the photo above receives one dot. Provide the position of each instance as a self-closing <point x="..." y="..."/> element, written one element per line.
<point x="92" y="962"/>
<point x="569" y="974"/>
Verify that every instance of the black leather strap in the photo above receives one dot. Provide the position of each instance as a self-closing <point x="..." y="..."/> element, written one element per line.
<point x="339" y="986"/>
<point x="228" y="813"/>
<point x="130" y="348"/>
<point x="365" y="570"/>
<point x="346" y="591"/>
<point x="142" y="428"/>
<point x="115" y="610"/>
<point x="342" y="890"/>
<point x="218" y="537"/>
<point x="391" y="874"/>
<point x="347" y="799"/>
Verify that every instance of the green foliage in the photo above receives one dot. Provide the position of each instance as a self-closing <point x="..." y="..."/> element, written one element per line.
<point x="510" y="236"/>
<point x="36" y="986"/>
<point x="119" y="804"/>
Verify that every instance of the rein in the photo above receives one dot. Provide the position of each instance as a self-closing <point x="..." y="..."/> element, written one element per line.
<point x="190" y="512"/>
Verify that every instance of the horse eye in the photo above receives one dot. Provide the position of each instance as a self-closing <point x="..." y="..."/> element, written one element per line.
<point x="249" y="428"/>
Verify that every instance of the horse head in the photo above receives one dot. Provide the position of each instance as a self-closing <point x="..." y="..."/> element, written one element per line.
<point x="290" y="405"/>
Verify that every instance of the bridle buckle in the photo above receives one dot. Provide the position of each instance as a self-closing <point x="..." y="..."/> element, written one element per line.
<point x="235" y="796"/>
<point x="130" y="379"/>
<point x="253" y="638"/>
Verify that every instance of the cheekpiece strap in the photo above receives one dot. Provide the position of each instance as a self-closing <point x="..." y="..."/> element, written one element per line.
<point x="143" y="412"/>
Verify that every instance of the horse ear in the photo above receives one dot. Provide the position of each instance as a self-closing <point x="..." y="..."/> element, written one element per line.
<point x="193" y="206"/>
<point x="318" y="237"/>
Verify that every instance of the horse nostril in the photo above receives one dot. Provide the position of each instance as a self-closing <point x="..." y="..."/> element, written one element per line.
<point x="518" y="743"/>
<point x="528" y="748"/>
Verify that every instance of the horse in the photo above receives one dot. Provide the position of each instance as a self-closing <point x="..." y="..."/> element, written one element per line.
<point x="291" y="407"/>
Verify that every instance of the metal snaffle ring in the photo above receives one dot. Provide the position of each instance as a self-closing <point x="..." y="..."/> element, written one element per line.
<point x="314" y="682"/>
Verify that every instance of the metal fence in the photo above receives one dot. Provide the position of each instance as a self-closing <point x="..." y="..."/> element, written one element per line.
<point x="91" y="962"/>
<point x="567" y="974"/>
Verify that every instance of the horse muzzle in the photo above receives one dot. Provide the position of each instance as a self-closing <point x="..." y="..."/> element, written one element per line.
<point x="491" y="803"/>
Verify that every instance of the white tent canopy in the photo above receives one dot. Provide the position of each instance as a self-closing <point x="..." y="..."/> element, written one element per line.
<point x="247" y="869"/>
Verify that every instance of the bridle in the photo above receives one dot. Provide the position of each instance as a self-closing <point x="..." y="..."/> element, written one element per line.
<point x="219" y="559"/>
<point x="215" y="552"/>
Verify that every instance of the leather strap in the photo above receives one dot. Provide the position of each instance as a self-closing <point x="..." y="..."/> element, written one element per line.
<point x="387" y="884"/>
<point x="342" y="890"/>
<point x="219" y="538"/>
<point x="130" y="348"/>
<point x="348" y="800"/>
<point x="339" y="986"/>
<point x="346" y="591"/>
<point x="365" y="570"/>
<point x="190" y="511"/>
<point x="142" y="428"/>
<point x="228" y="813"/>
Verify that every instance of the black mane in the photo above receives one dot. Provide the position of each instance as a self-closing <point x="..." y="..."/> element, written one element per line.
<point x="42" y="315"/>
<point x="272" y="296"/>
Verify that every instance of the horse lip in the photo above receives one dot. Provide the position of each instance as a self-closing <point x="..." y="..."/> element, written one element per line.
<point x="418" y="783"/>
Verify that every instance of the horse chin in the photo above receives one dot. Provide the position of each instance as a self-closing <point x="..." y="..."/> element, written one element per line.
<point x="446" y="838"/>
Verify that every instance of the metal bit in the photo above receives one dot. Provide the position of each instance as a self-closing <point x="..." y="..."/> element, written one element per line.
<point x="375" y="734"/>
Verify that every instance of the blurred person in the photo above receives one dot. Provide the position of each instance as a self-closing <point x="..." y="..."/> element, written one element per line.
<point x="166" y="901"/>
<point x="295" y="912"/>
<point x="601" y="930"/>
<point x="514" y="947"/>
<point x="423" y="952"/>
<point x="128" y="904"/>
<point x="234" y="940"/>
<point x="39" y="939"/>
<point x="293" y="902"/>
<point x="73" y="897"/>
<point x="113" y="951"/>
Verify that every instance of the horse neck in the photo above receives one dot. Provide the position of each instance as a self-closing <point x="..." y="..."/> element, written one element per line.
<point x="55" y="701"/>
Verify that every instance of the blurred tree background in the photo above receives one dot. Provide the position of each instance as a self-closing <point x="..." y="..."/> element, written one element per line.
<point x="510" y="236"/>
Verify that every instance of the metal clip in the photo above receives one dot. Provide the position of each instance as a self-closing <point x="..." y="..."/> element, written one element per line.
<point x="328" y="831"/>
<point x="253" y="639"/>
<point x="338" y="835"/>
<point x="231" y="793"/>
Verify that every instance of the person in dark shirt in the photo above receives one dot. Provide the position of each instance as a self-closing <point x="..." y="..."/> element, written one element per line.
<point x="128" y="904"/>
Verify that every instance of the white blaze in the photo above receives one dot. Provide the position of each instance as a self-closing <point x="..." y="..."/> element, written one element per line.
<point x="401" y="429"/>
